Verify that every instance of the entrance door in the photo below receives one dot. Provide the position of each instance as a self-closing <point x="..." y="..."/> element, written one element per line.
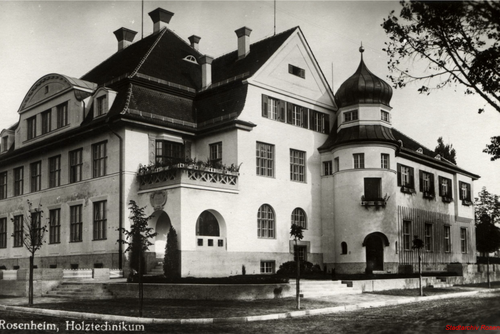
<point x="375" y="253"/>
<point x="162" y="228"/>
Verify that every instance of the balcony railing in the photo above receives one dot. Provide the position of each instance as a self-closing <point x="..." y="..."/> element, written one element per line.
<point x="189" y="175"/>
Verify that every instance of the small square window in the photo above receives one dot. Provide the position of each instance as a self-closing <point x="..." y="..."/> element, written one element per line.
<point x="350" y="116"/>
<point x="220" y="243"/>
<point x="267" y="267"/>
<point x="300" y="72"/>
<point x="384" y="115"/>
<point x="210" y="242"/>
<point x="200" y="242"/>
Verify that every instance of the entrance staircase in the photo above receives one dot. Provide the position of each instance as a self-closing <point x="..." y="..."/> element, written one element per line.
<point x="156" y="271"/>
<point x="317" y="288"/>
<point x="77" y="290"/>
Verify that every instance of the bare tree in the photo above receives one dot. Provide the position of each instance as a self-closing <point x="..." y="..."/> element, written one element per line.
<point x="29" y="231"/>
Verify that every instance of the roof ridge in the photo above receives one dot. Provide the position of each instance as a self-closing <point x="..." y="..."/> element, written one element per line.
<point x="141" y="62"/>
<point x="259" y="41"/>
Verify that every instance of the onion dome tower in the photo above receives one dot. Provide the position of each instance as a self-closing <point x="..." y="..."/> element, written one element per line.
<point x="363" y="87"/>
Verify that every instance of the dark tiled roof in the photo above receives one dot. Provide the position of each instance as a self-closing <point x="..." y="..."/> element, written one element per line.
<point x="160" y="55"/>
<point x="228" y="65"/>
<point x="225" y="102"/>
<point x="411" y="144"/>
<point x="356" y="134"/>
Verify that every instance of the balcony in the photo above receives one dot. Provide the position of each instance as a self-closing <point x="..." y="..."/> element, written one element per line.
<point x="188" y="175"/>
<point x="376" y="202"/>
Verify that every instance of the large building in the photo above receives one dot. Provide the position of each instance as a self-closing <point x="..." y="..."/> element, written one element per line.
<point x="230" y="152"/>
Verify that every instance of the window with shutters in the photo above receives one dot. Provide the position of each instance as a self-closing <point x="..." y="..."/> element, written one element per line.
<point x="465" y="196"/>
<point x="297" y="115"/>
<point x="445" y="190"/>
<point x="427" y="184"/>
<point x="406" y="179"/>
<point x="407" y="235"/>
<point x="273" y="108"/>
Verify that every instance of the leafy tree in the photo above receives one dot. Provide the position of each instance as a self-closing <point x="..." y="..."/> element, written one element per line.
<point x="171" y="262"/>
<point x="456" y="42"/>
<point x="487" y="204"/>
<point x="32" y="238"/>
<point x="137" y="239"/>
<point x="487" y="240"/>
<point x="446" y="151"/>
<point x="296" y="231"/>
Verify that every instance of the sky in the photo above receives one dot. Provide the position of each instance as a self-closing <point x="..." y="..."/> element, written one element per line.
<point x="72" y="37"/>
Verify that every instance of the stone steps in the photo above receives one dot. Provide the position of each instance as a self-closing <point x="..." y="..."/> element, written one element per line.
<point x="81" y="291"/>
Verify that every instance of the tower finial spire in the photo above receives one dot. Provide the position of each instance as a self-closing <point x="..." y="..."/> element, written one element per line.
<point x="361" y="50"/>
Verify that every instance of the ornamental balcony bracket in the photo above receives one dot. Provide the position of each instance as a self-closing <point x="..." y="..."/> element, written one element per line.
<point x="377" y="202"/>
<point x="187" y="175"/>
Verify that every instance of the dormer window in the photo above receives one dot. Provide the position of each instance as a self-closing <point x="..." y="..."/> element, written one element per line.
<point x="384" y="115"/>
<point x="101" y="107"/>
<point x="191" y="59"/>
<point x="31" y="127"/>
<point x="62" y="115"/>
<point x="350" y="116"/>
<point x="5" y="143"/>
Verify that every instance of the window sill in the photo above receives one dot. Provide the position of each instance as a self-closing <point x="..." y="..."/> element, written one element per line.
<point x="99" y="239"/>
<point x="466" y="202"/>
<point x="429" y="196"/>
<point x="407" y="190"/>
<point x="447" y="199"/>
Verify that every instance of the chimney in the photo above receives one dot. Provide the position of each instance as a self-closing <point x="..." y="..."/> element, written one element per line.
<point x="125" y="37"/>
<point x="161" y="18"/>
<point x="206" y="71"/>
<point x="243" y="41"/>
<point x="194" y="40"/>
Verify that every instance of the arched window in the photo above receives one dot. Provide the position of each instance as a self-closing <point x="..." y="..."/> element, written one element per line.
<point x="299" y="218"/>
<point x="207" y="225"/>
<point x="191" y="59"/>
<point x="265" y="222"/>
<point x="343" y="245"/>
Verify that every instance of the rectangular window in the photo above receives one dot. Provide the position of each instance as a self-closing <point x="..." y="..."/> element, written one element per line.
<point x="18" y="181"/>
<point x="427" y="184"/>
<point x="55" y="171"/>
<point x="169" y="153"/>
<point x="18" y="231"/>
<point x="99" y="159"/>
<point x="447" y="239"/>
<point x="101" y="108"/>
<point x="301" y="252"/>
<point x="100" y="221"/>
<point x="297" y="71"/>
<point x="465" y="193"/>
<point x="297" y="166"/>
<point x="5" y="143"/>
<point x="3" y="232"/>
<point x="327" y="168"/>
<point x="336" y="164"/>
<point x="31" y="127"/>
<point x="384" y="161"/>
<point x="216" y="153"/>
<point x="62" y="115"/>
<point x="36" y="226"/>
<point x="75" y="165"/>
<point x="406" y="235"/>
<point x="445" y="190"/>
<point x="359" y="160"/>
<point x="55" y="226"/>
<point x="76" y="223"/>
<point x="46" y="121"/>
<point x="265" y="159"/>
<point x="428" y="238"/>
<point x="267" y="267"/>
<point x="373" y="189"/>
<point x="406" y="179"/>
<point x="463" y="240"/>
<point x="350" y="116"/>
<point x="273" y="108"/>
<point x="319" y="121"/>
<point x="36" y="176"/>
<point x="3" y="185"/>
<point x="384" y="115"/>
<point x="297" y="115"/>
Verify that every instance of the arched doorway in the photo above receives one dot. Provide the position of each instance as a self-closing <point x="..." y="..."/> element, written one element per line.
<point x="162" y="228"/>
<point x="375" y="243"/>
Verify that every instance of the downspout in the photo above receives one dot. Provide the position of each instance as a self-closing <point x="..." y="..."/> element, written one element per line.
<point x="120" y="212"/>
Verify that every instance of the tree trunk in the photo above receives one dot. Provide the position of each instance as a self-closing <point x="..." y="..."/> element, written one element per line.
<point x="488" y="269"/>
<point x="420" y="273"/>
<point x="297" y="292"/>
<point x="30" y="284"/>
<point x="141" y="289"/>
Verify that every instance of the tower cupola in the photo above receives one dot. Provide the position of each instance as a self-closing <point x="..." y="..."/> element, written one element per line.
<point x="363" y="87"/>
